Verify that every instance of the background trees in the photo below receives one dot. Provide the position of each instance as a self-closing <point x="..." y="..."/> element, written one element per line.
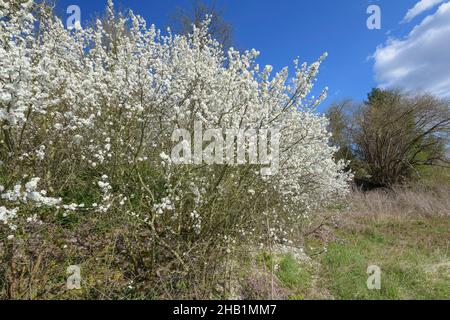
<point x="392" y="136"/>
<point x="185" y="18"/>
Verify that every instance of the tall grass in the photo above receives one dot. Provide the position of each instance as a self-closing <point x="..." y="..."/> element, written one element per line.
<point x="401" y="201"/>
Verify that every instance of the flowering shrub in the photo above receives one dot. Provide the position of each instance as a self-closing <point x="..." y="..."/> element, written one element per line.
<point x="88" y="116"/>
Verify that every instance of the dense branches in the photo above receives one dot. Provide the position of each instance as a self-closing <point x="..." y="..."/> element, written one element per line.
<point x="392" y="134"/>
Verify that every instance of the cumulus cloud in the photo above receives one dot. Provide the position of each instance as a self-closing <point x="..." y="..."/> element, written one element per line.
<point x="421" y="60"/>
<point x="421" y="6"/>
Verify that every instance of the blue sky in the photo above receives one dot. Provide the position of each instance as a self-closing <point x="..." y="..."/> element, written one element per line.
<point x="285" y="29"/>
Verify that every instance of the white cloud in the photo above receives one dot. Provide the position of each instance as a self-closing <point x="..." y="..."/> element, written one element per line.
<point x="421" y="6"/>
<point x="421" y="60"/>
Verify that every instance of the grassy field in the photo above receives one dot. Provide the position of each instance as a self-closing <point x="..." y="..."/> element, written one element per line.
<point x="408" y="242"/>
<point x="413" y="255"/>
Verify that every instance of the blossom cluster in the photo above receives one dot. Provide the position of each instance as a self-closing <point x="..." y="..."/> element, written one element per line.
<point x="102" y="103"/>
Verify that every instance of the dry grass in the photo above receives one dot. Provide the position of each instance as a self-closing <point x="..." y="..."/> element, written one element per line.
<point x="401" y="202"/>
<point x="405" y="231"/>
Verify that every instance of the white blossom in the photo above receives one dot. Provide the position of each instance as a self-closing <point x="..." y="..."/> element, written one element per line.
<point x="103" y="109"/>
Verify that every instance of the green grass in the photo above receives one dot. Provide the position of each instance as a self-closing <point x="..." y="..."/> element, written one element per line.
<point x="292" y="274"/>
<point x="413" y="256"/>
<point x="434" y="176"/>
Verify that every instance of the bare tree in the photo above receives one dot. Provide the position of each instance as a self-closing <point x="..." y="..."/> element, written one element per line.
<point x="392" y="135"/>
<point x="340" y="125"/>
<point x="221" y="30"/>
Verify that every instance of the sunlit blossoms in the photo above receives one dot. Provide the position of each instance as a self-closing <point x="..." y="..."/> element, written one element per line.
<point x="88" y="115"/>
